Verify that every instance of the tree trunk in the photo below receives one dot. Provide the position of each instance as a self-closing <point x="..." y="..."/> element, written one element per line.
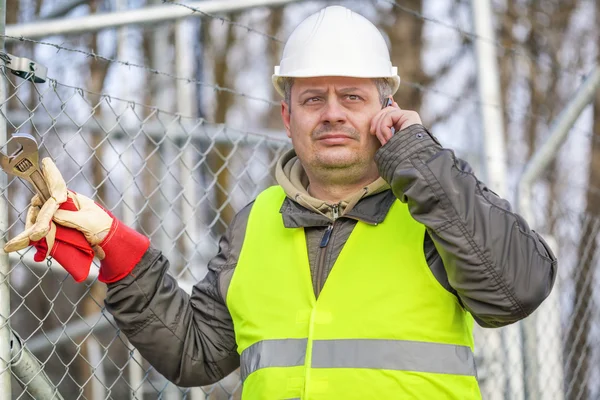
<point x="217" y="159"/>
<point x="405" y="33"/>
<point x="274" y="53"/>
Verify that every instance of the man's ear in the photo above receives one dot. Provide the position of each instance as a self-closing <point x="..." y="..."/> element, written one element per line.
<point x="285" y="117"/>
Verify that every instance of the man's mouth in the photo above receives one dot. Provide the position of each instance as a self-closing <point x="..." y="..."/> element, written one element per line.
<point x="334" y="138"/>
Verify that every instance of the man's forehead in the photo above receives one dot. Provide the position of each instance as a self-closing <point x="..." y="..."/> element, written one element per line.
<point x="338" y="83"/>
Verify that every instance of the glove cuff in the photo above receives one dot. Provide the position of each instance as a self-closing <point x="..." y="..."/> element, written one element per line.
<point x="123" y="249"/>
<point x="73" y="252"/>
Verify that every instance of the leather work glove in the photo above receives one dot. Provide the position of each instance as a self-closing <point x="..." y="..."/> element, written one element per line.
<point x="118" y="247"/>
<point x="65" y="245"/>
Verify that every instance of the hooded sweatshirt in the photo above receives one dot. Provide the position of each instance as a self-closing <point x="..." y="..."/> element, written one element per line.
<point x="291" y="176"/>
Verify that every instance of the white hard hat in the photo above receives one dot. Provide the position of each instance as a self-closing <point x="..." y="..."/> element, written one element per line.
<point x="336" y="42"/>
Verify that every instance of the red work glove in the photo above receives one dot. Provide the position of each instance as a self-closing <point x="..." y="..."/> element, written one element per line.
<point x="118" y="247"/>
<point x="67" y="246"/>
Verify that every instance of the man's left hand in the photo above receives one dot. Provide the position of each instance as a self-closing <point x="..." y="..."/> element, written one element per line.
<point x="392" y="117"/>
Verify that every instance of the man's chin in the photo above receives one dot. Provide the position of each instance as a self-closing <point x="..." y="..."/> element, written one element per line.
<point x="337" y="161"/>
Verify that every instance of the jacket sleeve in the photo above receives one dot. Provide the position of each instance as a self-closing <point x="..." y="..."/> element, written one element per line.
<point x="188" y="339"/>
<point x="500" y="269"/>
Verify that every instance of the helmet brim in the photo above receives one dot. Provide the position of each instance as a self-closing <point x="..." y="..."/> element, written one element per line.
<point x="277" y="80"/>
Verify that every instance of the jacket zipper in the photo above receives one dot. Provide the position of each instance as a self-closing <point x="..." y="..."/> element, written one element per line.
<point x="323" y="250"/>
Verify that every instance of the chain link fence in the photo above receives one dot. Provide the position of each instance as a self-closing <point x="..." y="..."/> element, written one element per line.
<point x="578" y="298"/>
<point x="179" y="181"/>
<point x="175" y="179"/>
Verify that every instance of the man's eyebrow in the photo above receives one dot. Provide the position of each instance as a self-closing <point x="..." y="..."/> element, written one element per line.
<point x="351" y="89"/>
<point x="311" y="91"/>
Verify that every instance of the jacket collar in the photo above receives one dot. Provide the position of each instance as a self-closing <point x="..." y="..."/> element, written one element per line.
<point x="371" y="210"/>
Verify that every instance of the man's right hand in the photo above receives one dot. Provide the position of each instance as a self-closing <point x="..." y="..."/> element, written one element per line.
<point x="118" y="247"/>
<point x="392" y="119"/>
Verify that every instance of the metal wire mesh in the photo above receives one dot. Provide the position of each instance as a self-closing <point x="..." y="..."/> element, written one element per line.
<point x="179" y="180"/>
<point x="161" y="173"/>
<point x="577" y="292"/>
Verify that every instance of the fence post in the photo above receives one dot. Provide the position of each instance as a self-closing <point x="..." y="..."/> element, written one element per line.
<point x="29" y="372"/>
<point x="5" y="375"/>
<point x="501" y="359"/>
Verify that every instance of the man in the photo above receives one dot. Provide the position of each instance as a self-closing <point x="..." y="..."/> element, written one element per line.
<point x="358" y="276"/>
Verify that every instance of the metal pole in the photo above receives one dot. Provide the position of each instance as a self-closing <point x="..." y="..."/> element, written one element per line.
<point x="501" y="346"/>
<point x="163" y="90"/>
<point x="186" y="105"/>
<point x="148" y="15"/>
<point x="545" y="353"/>
<point x="488" y="81"/>
<point x="5" y="334"/>
<point x="29" y="372"/>
<point x="135" y="371"/>
<point x="166" y="99"/>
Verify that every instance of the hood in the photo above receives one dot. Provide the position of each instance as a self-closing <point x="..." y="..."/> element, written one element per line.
<point x="290" y="175"/>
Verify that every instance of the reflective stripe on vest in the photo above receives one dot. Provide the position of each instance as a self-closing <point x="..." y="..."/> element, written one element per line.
<point x="272" y="353"/>
<point x="400" y="355"/>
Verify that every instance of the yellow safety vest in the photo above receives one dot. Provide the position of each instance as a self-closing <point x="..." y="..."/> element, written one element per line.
<point x="382" y="328"/>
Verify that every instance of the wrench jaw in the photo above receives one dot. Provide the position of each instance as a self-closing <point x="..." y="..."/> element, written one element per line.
<point x="25" y="160"/>
<point x="24" y="163"/>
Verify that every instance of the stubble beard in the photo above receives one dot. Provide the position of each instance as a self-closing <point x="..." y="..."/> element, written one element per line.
<point x="346" y="166"/>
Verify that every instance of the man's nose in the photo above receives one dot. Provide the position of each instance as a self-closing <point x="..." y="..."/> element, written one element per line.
<point x="334" y="112"/>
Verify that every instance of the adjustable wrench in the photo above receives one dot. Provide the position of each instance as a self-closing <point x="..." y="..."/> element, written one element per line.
<point x="77" y="255"/>
<point x="24" y="163"/>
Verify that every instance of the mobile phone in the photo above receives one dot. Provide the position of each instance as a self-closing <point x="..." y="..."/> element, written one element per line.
<point x="389" y="102"/>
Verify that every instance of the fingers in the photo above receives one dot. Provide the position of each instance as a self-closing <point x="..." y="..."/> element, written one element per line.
<point x="382" y="124"/>
<point x="42" y="223"/>
<point x="392" y="119"/>
<point x="74" y="219"/>
<point x="19" y="242"/>
<point x="31" y="217"/>
<point x="74" y="198"/>
<point x="54" y="180"/>
<point x="377" y="120"/>
<point x="33" y="229"/>
<point x="82" y="202"/>
<point x="91" y="219"/>
<point x="36" y="201"/>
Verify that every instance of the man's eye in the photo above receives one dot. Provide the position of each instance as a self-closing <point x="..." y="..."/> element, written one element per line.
<point x="312" y="100"/>
<point x="353" y="97"/>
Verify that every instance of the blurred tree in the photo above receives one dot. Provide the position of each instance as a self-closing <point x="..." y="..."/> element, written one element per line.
<point x="405" y="33"/>
<point x="404" y="25"/>
<point x="274" y="51"/>
<point x="224" y="74"/>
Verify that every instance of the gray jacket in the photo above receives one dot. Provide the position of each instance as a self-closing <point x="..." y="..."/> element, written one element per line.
<point x="478" y="249"/>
